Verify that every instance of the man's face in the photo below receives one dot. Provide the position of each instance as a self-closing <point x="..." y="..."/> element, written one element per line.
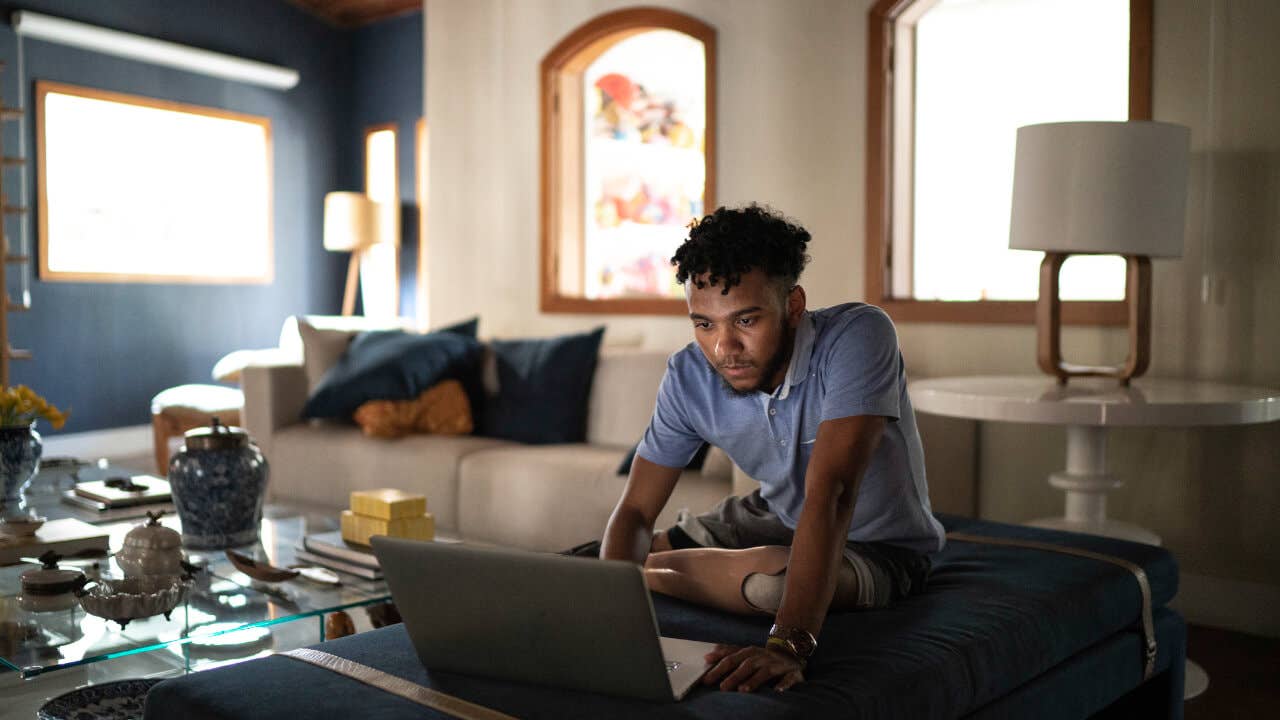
<point x="747" y="334"/>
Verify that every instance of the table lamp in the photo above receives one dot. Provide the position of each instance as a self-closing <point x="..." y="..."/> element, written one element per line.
<point x="1099" y="188"/>
<point x="352" y="223"/>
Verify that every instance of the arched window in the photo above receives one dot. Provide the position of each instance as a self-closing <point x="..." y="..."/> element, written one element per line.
<point x="628" y="159"/>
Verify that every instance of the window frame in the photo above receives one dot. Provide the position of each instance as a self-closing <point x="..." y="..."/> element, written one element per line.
<point x="44" y="88"/>
<point x="881" y="26"/>
<point x="589" y="41"/>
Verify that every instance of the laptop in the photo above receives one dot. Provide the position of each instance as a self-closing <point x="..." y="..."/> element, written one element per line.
<point x="555" y="620"/>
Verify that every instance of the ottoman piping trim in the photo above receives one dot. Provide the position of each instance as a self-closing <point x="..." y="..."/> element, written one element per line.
<point x="411" y="691"/>
<point x="1144" y="585"/>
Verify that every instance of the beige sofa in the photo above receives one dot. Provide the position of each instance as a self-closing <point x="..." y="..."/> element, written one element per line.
<point x="545" y="497"/>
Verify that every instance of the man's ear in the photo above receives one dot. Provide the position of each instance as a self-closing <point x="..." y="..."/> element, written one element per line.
<point x="795" y="305"/>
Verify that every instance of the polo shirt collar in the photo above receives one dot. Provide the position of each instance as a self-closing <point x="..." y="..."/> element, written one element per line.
<point x="801" y="351"/>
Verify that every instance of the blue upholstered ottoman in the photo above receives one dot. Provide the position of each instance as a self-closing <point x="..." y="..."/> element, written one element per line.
<point x="1001" y="632"/>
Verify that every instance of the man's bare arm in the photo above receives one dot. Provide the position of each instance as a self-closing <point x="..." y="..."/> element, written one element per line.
<point x="840" y="458"/>
<point x="630" y="529"/>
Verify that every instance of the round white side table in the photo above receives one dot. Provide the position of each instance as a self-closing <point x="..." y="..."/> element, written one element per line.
<point x="1088" y="408"/>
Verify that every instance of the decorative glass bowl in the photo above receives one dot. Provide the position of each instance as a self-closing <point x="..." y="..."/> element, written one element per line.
<point x="131" y="598"/>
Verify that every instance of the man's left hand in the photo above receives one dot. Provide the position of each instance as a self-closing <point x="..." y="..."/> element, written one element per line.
<point x="745" y="669"/>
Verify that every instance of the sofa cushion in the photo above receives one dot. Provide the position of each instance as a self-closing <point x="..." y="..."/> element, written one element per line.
<point x="442" y="409"/>
<point x="317" y="341"/>
<point x="543" y="386"/>
<point x="622" y="395"/>
<point x="550" y="497"/>
<point x="391" y="365"/>
<point x="321" y="349"/>
<point x="323" y="463"/>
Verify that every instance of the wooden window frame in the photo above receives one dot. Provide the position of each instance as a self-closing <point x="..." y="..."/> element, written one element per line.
<point x="879" y="182"/>
<point x="573" y="54"/>
<point x="395" y="193"/>
<point x="48" y="274"/>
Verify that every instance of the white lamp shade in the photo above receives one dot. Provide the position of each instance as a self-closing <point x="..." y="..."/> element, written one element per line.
<point x="1100" y="187"/>
<point x="352" y="221"/>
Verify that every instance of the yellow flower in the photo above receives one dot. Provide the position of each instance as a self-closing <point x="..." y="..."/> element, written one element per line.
<point x="21" y="405"/>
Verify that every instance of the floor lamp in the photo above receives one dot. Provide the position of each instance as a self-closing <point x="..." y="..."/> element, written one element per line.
<point x="352" y="223"/>
<point x="1099" y="188"/>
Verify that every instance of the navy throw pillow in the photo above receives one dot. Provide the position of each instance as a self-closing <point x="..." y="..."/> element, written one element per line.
<point x="393" y="365"/>
<point x="543" y="388"/>
<point x="466" y="327"/>
<point x="699" y="457"/>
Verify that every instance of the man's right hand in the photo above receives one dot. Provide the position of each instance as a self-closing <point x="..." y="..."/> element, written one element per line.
<point x="629" y="534"/>
<point x="746" y="668"/>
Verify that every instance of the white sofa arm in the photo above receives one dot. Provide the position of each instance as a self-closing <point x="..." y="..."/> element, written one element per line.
<point x="273" y="398"/>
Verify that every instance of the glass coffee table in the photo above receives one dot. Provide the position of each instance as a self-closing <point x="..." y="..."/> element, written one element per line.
<point x="226" y="616"/>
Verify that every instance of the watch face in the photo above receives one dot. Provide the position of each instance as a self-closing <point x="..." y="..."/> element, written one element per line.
<point x="804" y="643"/>
<point x="800" y="641"/>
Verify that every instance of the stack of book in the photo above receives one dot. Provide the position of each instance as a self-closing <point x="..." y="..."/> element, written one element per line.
<point x="373" y="512"/>
<point x="119" y="492"/>
<point x="331" y="551"/>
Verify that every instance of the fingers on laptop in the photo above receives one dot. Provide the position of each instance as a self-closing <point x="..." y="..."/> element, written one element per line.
<point x="722" y="651"/>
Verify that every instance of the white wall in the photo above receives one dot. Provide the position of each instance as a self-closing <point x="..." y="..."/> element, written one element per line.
<point x="791" y="133"/>
<point x="786" y="95"/>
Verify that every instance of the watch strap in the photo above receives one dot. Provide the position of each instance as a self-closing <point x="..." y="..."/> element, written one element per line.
<point x="799" y="641"/>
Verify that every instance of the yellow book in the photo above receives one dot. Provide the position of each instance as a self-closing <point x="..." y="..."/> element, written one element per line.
<point x="359" y="528"/>
<point x="388" y="503"/>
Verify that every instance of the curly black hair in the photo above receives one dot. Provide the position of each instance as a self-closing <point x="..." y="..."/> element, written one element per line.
<point x="731" y="242"/>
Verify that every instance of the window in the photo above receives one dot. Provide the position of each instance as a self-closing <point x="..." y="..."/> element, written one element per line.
<point x="133" y="189"/>
<point x="628" y="157"/>
<point x="950" y="81"/>
<point x="422" y="307"/>
<point x="380" y="262"/>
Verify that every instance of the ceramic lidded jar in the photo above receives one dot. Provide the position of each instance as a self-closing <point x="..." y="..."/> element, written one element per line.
<point x="50" y="588"/>
<point x="218" y="479"/>
<point x="151" y="549"/>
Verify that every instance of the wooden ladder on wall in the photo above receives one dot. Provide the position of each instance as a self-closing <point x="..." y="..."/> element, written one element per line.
<point x="9" y="257"/>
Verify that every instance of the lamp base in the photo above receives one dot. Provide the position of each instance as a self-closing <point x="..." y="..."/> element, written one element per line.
<point x="1049" y="323"/>
<point x="353" y="278"/>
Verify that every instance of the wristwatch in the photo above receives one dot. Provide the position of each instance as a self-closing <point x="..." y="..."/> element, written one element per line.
<point x="797" y="641"/>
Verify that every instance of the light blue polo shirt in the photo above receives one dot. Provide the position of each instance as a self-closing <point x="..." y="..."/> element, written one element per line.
<point x="845" y="362"/>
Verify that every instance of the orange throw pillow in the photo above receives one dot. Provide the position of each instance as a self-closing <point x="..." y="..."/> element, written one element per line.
<point x="442" y="409"/>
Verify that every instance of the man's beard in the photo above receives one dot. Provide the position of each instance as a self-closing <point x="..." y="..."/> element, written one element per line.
<point x="771" y="368"/>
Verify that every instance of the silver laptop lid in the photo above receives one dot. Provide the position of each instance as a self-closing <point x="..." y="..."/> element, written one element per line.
<point x="544" y="619"/>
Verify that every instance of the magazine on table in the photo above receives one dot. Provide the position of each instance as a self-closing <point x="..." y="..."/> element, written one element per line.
<point x="360" y="571"/>
<point x="330" y="544"/>
<point x="125" y="490"/>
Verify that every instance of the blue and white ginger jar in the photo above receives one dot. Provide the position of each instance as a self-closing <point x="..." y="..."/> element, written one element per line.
<point x="218" y="479"/>
<point x="20" y="450"/>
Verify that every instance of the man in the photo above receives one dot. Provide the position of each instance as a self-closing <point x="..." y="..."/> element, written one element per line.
<point x="814" y="406"/>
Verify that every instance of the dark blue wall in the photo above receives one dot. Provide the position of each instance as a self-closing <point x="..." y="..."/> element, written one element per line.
<point x="387" y="58"/>
<point x="104" y="349"/>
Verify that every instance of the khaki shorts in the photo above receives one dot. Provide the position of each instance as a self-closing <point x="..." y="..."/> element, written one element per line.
<point x="884" y="572"/>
